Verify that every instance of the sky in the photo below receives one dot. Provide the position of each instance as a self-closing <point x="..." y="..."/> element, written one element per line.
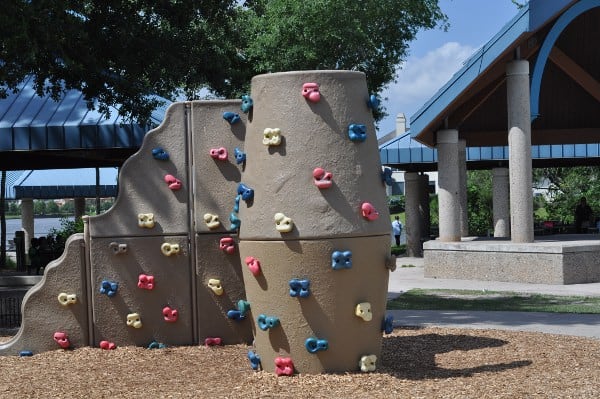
<point x="435" y="55"/>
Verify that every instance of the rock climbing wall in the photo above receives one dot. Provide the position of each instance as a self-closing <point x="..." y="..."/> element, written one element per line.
<point x="55" y="311"/>
<point x="293" y="167"/>
<point x="315" y="236"/>
<point x="175" y="197"/>
<point x="154" y="269"/>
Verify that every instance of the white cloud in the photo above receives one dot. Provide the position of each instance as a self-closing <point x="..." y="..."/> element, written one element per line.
<point x="420" y="78"/>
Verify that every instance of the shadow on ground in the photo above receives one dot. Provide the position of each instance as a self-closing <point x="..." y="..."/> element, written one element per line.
<point x="413" y="357"/>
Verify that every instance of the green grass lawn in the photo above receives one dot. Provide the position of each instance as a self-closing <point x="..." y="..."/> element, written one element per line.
<point x="422" y="299"/>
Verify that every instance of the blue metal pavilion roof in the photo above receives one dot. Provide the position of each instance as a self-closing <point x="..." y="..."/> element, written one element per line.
<point x="407" y="154"/>
<point x="31" y="122"/>
<point x="64" y="183"/>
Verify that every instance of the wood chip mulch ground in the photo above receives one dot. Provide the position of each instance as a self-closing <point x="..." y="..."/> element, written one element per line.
<point x="415" y="363"/>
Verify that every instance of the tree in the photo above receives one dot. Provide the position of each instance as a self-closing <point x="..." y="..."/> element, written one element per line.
<point x="39" y="207"/>
<point x="371" y="36"/>
<point x="479" y="202"/>
<point x="125" y="51"/>
<point x="565" y="187"/>
<point x="52" y="208"/>
<point x="119" y="51"/>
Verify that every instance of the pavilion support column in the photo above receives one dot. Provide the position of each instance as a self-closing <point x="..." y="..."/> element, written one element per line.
<point x="27" y="221"/>
<point x="519" y="144"/>
<point x="424" y="206"/>
<point x="462" y="193"/>
<point x="501" y="202"/>
<point x="412" y="226"/>
<point x="449" y="183"/>
<point x="79" y="205"/>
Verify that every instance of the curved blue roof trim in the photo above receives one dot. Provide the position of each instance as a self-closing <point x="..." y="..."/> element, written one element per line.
<point x="530" y="18"/>
<point x="540" y="64"/>
<point x="473" y="67"/>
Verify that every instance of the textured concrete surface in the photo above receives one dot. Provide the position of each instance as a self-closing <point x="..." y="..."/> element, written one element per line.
<point x="569" y="259"/>
<point x="519" y="156"/>
<point x="325" y="220"/>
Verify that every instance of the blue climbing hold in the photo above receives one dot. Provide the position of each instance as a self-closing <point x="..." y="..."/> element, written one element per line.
<point x="357" y="132"/>
<point x="235" y="221"/>
<point x="373" y="102"/>
<point x="231" y="117"/>
<point x="267" y="322"/>
<point x="25" y="353"/>
<point x="314" y="345"/>
<point x="236" y="205"/>
<point x="341" y="260"/>
<point x="386" y="176"/>
<point x="299" y="288"/>
<point x="156" y="345"/>
<point x="160" y="154"/>
<point x="240" y="156"/>
<point x="109" y="288"/>
<point x="387" y="325"/>
<point x="235" y="314"/>
<point x="254" y="360"/>
<point x="246" y="192"/>
<point x="243" y="307"/>
<point x="247" y="103"/>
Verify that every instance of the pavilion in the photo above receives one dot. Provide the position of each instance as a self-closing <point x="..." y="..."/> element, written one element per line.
<point x="529" y="97"/>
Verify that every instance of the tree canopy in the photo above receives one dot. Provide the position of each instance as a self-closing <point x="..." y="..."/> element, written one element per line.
<point x="126" y="51"/>
<point x="565" y="187"/>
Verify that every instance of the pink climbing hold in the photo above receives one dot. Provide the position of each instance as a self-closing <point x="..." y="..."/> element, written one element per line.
<point x="253" y="264"/>
<point x="145" y="282"/>
<point x="322" y="179"/>
<point x="106" y="345"/>
<point x="170" y="315"/>
<point x="368" y="211"/>
<point x="173" y="182"/>
<point x="310" y="91"/>
<point x="227" y="245"/>
<point x="284" y="366"/>
<point x="219" y="153"/>
<point x="62" y="339"/>
<point x="213" y="341"/>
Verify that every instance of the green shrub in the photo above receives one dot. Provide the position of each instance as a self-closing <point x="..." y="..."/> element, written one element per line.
<point x="396" y="203"/>
<point x="398" y="250"/>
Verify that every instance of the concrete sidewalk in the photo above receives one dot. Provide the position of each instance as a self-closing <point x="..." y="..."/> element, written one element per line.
<point x="406" y="278"/>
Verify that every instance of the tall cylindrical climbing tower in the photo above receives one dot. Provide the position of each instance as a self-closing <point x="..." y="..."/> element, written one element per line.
<point x="314" y="236"/>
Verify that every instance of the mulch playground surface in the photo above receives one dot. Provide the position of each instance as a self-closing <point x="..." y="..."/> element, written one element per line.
<point x="415" y="363"/>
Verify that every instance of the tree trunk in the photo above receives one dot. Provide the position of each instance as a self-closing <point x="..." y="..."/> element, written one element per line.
<point x="3" y="219"/>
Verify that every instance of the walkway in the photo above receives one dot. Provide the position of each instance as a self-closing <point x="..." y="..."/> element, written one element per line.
<point x="406" y="278"/>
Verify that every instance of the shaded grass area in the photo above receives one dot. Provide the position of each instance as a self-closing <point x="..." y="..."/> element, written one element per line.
<point x="424" y="299"/>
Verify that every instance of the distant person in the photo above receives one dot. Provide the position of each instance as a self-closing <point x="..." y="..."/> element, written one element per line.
<point x="583" y="215"/>
<point x="397" y="230"/>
